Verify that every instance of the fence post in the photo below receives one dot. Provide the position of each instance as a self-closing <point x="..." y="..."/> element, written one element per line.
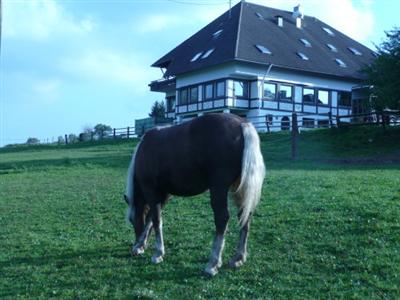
<point x="295" y="136"/>
<point x="330" y="119"/>
<point x="337" y="121"/>
<point x="127" y="132"/>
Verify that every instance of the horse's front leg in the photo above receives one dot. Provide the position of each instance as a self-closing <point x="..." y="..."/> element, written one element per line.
<point x="219" y="204"/>
<point x="157" y="223"/>
<point x="141" y="244"/>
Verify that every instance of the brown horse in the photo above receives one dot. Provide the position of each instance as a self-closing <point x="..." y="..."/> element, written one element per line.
<point x="215" y="152"/>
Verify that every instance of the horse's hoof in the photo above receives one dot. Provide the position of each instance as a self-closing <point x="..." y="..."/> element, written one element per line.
<point x="156" y="259"/>
<point x="137" y="251"/>
<point x="237" y="262"/>
<point x="211" y="271"/>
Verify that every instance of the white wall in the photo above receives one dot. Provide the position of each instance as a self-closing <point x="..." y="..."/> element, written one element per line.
<point x="252" y="71"/>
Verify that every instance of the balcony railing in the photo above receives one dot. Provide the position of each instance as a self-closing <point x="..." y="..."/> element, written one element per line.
<point x="163" y="85"/>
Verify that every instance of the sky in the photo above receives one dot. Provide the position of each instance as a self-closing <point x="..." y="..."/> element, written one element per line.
<point x="69" y="64"/>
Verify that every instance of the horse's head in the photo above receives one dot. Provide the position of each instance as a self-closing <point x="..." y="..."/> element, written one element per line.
<point x="136" y="214"/>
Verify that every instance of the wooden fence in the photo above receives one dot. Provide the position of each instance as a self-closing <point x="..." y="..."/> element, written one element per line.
<point x="295" y="122"/>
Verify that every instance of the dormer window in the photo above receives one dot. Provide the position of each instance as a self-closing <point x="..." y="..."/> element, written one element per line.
<point x="196" y="57"/>
<point x="341" y="63"/>
<point x="302" y="55"/>
<point x="354" y="51"/>
<point x="332" y="48"/>
<point x="305" y="42"/>
<point x="217" y="33"/>
<point x="328" y="31"/>
<point x="207" y="53"/>
<point x="263" y="49"/>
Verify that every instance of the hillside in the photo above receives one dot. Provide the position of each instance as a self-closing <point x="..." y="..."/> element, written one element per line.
<point x="327" y="225"/>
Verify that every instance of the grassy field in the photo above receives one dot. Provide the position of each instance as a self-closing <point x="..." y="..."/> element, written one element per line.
<point x="328" y="225"/>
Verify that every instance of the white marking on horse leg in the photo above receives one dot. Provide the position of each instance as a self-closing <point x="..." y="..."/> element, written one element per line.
<point x="215" y="261"/>
<point x="241" y="252"/>
<point x="160" y="251"/>
<point x="141" y="244"/>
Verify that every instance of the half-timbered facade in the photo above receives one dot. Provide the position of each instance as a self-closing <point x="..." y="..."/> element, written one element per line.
<point x="264" y="63"/>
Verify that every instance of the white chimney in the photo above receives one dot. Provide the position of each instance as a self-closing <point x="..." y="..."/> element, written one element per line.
<point x="298" y="15"/>
<point x="280" y="21"/>
<point x="298" y="22"/>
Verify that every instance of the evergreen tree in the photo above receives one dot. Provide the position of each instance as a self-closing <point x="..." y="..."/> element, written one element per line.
<point x="384" y="73"/>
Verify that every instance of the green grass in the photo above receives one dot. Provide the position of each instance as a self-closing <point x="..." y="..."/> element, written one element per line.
<point x="322" y="230"/>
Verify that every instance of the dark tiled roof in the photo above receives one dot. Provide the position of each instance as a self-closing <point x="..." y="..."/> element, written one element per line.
<point x="245" y="29"/>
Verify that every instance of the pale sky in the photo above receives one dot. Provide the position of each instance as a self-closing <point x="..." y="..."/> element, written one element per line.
<point x="68" y="64"/>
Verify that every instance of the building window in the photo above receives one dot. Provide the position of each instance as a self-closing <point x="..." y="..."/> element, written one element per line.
<point x="196" y="56"/>
<point x="220" y="89"/>
<point x="285" y="123"/>
<point x="323" y="123"/>
<point x="194" y="95"/>
<point x="328" y="31"/>
<point x="240" y="88"/>
<point x="305" y="42"/>
<point x="269" y="91"/>
<point x="302" y="56"/>
<point x="341" y="63"/>
<point x="207" y="53"/>
<point x="183" y="97"/>
<point x="332" y="48"/>
<point x="308" y="123"/>
<point x="208" y="91"/>
<point x="354" y="51"/>
<point x="260" y="16"/>
<point x="323" y="97"/>
<point x="285" y="92"/>
<point x="217" y="33"/>
<point x="344" y="99"/>
<point x="170" y="104"/>
<point x="308" y="95"/>
<point x="263" y="49"/>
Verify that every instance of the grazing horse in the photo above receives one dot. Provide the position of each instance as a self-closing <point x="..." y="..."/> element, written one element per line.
<point x="215" y="152"/>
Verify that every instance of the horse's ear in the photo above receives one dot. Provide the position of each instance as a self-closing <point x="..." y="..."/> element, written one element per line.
<point x="126" y="199"/>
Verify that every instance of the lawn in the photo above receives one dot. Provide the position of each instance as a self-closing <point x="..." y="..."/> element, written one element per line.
<point x="328" y="225"/>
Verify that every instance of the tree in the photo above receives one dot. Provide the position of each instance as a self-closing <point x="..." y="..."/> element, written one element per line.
<point x="32" y="141"/>
<point x="157" y="110"/>
<point x="87" y="134"/>
<point x="60" y="140"/>
<point x="101" y="131"/>
<point x="384" y="73"/>
<point x="72" y="138"/>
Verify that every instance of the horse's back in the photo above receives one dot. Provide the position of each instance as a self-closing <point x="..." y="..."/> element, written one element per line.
<point x="187" y="158"/>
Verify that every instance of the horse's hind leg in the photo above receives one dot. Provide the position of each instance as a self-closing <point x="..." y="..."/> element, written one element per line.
<point x="157" y="223"/>
<point x="241" y="252"/>
<point x="219" y="204"/>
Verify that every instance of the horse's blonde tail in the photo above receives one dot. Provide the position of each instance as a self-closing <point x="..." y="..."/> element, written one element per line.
<point x="248" y="193"/>
<point x="130" y="184"/>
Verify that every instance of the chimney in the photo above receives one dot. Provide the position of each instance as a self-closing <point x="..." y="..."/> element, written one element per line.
<point x="298" y="22"/>
<point x="298" y="15"/>
<point x="279" y="20"/>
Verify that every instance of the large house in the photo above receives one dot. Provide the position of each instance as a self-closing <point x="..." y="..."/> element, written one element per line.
<point x="264" y="64"/>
